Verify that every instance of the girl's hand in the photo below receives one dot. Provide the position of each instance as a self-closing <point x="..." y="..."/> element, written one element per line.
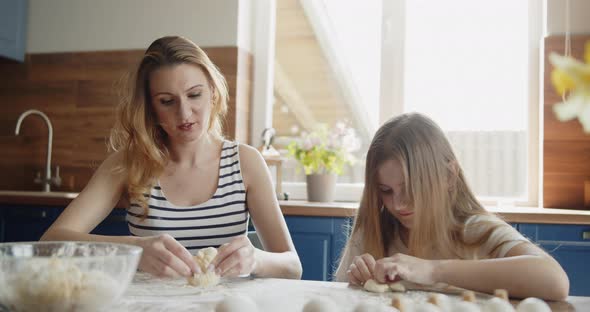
<point x="400" y="266"/>
<point x="236" y="258"/>
<point x="361" y="269"/>
<point x="163" y="256"/>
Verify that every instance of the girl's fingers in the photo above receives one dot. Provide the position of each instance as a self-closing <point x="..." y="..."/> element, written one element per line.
<point x="363" y="269"/>
<point x="356" y="274"/>
<point x="386" y="271"/>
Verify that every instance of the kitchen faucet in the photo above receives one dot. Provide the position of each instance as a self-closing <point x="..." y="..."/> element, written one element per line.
<point x="47" y="180"/>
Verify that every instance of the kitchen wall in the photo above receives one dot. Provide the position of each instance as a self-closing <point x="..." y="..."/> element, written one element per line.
<point x="78" y="53"/>
<point x="579" y="21"/>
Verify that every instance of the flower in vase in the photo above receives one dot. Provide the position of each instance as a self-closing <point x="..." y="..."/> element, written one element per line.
<point x="571" y="79"/>
<point x="325" y="150"/>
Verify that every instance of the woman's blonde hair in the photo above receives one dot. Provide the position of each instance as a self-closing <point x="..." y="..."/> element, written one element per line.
<point x="137" y="133"/>
<point x="435" y="187"/>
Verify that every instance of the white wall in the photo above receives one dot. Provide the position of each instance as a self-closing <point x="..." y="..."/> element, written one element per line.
<point x="579" y="16"/>
<point x="92" y="25"/>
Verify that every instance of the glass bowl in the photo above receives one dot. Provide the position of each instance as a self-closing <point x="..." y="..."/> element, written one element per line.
<point x="64" y="276"/>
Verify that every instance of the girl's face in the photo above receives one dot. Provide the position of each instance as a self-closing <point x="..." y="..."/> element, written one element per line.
<point x="181" y="99"/>
<point x="392" y="192"/>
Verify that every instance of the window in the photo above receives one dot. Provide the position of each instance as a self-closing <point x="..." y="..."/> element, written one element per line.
<point x="473" y="68"/>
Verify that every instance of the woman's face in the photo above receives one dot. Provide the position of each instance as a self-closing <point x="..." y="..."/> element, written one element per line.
<point x="392" y="192"/>
<point x="181" y="99"/>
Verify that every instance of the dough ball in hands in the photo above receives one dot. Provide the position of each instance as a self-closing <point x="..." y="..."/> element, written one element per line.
<point x="533" y="305"/>
<point x="206" y="278"/>
<point x="373" y="286"/>
<point x="397" y="286"/>
<point x="236" y="303"/>
<point x="320" y="304"/>
<point x="497" y="304"/>
<point x="204" y="257"/>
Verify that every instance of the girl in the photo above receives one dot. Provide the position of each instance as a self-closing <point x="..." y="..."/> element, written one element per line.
<point x="188" y="187"/>
<point x="419" y="221"/>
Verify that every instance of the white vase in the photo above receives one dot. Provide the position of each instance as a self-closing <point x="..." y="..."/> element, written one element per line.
<point x="321" y="187"/>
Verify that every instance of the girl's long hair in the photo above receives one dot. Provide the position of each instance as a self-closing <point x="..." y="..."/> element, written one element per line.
<point x="136" y="133"/>
<point x="435" y="187"/>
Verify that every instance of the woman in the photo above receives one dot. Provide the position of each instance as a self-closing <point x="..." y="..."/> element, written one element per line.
<point x="419" y="221"/>
<point x="188" y="187"/>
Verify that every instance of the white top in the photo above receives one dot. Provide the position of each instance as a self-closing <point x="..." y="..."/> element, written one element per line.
<point x="209" y="224"/>
<point x="501" y="240"/>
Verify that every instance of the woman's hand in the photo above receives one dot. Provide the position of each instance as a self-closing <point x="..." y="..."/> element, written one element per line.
<point x="400" y="266"/>
<point x="235" y="258"/>
<point x="163" y="256"/>
<point x="361" y="269"/>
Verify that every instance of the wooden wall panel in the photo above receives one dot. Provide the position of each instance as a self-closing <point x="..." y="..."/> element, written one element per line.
<point x="566" y="148"/>
<point x="78" y="91"/>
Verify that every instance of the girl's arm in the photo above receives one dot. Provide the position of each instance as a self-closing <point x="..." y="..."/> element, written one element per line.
<point x="279" y="259"/>
<point x="162" y="255"/>
<point x="526" y="271"/>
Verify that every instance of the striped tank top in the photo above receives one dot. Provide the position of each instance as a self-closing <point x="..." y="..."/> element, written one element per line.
<point x="210" y="224"/>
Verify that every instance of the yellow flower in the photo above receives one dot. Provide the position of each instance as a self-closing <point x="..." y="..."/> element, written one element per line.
<point x="571" y="79"/>
<point x="562" y="82"/>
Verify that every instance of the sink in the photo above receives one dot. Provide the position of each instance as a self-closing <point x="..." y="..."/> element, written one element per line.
<point x="69" y="195"/>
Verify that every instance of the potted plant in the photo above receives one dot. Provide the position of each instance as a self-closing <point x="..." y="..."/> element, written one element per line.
<point x="323" y="154"/>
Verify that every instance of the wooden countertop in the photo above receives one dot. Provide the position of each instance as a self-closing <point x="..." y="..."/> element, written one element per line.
<point x="149" y="293"/>
<point x="335" y="209"/>
<point x="510" y="214"/>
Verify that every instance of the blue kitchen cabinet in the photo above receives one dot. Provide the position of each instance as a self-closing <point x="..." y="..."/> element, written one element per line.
<point x="113" y="224"/>
<point x="319" y="242"/>
<point x="25" y="223"/>
<point x="13" y="22"/>
<point x="28" y="223"/>
<point x="570" y="246"/>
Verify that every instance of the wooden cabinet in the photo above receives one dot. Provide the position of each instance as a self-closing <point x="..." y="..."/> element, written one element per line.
<point x="570" y="246"/>
<point x="13" y="30"/>
<point x="319" y="242"/>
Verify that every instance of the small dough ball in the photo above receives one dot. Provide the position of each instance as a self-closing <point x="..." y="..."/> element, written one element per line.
<point x="372" y="286"/>
<point x="533" y="305"/>
<point x="440" y="300"/>
<point x="320" y="304"/>
<point x="372" y="307"/>
<point x="468" y="296"/>
<point x="497" y="305"/>
<point x="236" y="303"/>
<point x="397" y="286"/>
<point x="402" y="303"/>
<point x="465" y="306"/>
<point x="502" y="294"/>
<point x="426" y="307"/>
